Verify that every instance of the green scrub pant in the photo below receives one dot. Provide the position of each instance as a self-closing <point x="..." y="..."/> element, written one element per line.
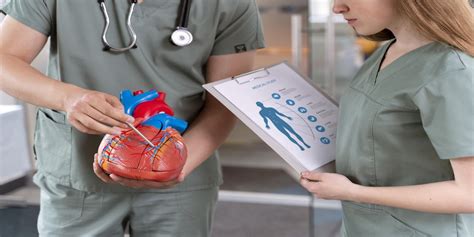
<point x="68" y="212"/>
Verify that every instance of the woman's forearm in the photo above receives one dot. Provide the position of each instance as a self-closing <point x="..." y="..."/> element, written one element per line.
<point x="22" y="81"/>
<point x="441" y="197"/>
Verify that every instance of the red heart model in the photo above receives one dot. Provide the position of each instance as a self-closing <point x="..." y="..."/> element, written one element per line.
<point x="129" y="156"/>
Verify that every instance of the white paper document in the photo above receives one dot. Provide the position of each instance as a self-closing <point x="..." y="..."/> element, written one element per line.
<point x="294" y="118"/>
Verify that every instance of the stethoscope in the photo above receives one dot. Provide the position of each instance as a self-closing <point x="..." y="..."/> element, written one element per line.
<point x="181" y="36"/>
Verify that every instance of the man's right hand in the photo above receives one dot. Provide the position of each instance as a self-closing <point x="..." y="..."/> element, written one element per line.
<point x="95" y="112"/>
<point x="89" y="111"/>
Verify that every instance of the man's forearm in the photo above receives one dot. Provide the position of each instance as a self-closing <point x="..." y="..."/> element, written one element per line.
<point x="442" y="197"/>
<point x="206" y="134"/>
<point x="215" y="122"/>
<point x="22" y="81"/>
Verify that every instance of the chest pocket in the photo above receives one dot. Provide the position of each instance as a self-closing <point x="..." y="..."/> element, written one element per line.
<point x="52" y="141"/>
<point x="364" y="221"/>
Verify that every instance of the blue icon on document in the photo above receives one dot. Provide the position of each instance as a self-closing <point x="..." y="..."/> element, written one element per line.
<point x="312" y="118"/>
<point x="290" y="102"/>
<point x="320" y="128"/>
<point x="302" y="110"/>
<point x="325" y="140"/>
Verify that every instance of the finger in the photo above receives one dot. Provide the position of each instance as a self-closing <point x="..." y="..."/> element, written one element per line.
<point x="173" y="182"/>
<point x="114" y="101"/>
<point x="181" y="177"/>
<point x="99" y="172"/>
<point x="313" y="176"/>
<point x="113" y="108"/>
<point x="304" y="182"/>
<point x="126" y="182"/>
<point x="91" y="124"/>
<point x="312" y="187"/>
<point x="80" y="127"/>
<point x="102" y="118"/>
<point x="146" y="183"/>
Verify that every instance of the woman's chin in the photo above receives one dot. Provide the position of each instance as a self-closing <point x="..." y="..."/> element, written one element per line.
<point x="365" y="32"/>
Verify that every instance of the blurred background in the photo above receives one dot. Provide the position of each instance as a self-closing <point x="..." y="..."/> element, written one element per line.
<point x="261" y="195"/>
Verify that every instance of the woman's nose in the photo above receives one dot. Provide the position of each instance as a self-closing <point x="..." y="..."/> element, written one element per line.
<point x="340" y="7"/>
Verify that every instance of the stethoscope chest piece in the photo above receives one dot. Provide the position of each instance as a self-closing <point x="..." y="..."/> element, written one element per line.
<point x="181" y="37"/>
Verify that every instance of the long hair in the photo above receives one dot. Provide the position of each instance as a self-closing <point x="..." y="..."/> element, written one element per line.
<point x="447" y="21"/>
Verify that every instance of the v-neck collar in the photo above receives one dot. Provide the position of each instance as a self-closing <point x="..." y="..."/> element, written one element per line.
<point x="378" y="75"/>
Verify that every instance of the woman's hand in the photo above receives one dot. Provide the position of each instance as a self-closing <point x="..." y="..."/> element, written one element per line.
<point x="95" y="112"/>
<point x="133" y="183"/>
<point x="329" y="185"/>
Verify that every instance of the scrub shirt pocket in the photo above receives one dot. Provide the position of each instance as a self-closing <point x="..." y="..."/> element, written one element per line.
<point x="53" y="145"/>
<point x="365" y="221"/>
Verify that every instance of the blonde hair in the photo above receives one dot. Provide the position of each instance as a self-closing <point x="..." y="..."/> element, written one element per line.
<point x="447" y="21"/>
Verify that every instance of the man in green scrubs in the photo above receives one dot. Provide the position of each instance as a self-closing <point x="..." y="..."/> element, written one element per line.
<point x="77" y="100"/>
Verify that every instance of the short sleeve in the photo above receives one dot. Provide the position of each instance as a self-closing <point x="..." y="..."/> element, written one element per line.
<point x="242" y="32"/>
<point x="447" y="112"/>
<point x="36" y="14"/>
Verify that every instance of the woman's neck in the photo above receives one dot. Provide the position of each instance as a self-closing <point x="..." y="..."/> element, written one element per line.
<point x="407" y="40"/>
<point x="407" y="37"/>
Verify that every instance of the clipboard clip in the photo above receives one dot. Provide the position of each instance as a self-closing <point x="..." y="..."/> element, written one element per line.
<point x="250" y="76"/>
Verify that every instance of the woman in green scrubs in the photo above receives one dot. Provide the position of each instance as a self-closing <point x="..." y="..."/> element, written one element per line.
<point x="405" y="148"/>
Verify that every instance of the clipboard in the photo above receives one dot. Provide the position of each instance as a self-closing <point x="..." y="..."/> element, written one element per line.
<point x="295" y="118"/>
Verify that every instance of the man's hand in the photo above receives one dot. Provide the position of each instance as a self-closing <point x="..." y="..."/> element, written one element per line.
<point x="133" y="183"/>
<point x="95" y="112"/>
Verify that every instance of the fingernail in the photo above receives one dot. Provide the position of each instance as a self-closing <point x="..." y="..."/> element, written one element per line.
<point x="304" y="174"/>
<point x="117" y="131"/>
<point x="130" y="119"/>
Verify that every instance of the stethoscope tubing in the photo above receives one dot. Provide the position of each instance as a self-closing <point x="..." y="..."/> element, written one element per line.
<point x="184" y="19"/>
<point x="180" y="37"/>
<point x="131" y="32"/>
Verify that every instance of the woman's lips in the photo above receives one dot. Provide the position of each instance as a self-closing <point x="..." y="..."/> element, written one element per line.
<point x="351" y="21"/>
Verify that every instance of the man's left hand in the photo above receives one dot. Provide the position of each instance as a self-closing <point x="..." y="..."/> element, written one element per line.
<point x="133" y="183"/>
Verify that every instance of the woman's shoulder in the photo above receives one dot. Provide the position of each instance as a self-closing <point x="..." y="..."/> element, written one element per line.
<point x="446" y="68"/>
<point x="440" y="62"/>
<point x="443" y="58"/>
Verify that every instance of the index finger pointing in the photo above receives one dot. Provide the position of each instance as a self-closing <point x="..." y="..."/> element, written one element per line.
<point x="114" y="101"/>
<point x="113" y="108"/>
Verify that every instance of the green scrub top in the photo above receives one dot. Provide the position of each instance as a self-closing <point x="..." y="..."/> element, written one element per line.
<point x="400" y="126"/>
<point x="219" y="27"/>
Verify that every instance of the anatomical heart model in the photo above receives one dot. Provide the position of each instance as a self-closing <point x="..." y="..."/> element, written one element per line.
<point x="130" y="155"/>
